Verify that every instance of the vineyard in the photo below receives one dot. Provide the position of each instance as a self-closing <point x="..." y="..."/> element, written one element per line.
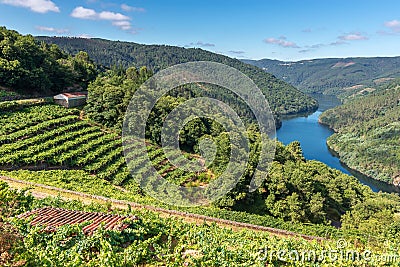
<point x="152" y="240"/>
<point x="52" y="137"/>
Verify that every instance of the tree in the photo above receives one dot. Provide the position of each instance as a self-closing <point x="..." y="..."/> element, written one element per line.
<point x="39" y="68"/>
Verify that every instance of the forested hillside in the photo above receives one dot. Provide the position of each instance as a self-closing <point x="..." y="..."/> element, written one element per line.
<point x="30" y="68"/>
<point x="283" y="98"/>
<point x="367" y="137"/>
<point x="343" y="77"/>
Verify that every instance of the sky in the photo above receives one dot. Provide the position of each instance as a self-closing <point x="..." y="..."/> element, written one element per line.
<point x="287" y="30"/>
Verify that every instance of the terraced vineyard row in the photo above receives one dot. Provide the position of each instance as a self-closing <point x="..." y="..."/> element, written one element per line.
<point x="52" y="136"/>
<point x="13" y="121"/>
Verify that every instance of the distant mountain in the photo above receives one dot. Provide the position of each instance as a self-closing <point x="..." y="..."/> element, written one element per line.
<point x="335" y="76"/>
<point x="283" y="98"/>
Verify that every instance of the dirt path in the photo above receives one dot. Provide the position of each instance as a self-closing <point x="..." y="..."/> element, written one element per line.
<point x="42" y="191"/>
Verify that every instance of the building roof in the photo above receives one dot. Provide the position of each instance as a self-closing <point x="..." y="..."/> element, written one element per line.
<point x="56" y="217"/>
<point x="73" y="95"/>
<point x="68" y="96"/>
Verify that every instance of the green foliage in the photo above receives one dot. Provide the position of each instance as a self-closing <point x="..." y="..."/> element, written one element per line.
<point x="43" y="136"/>
<point x="8" y="95"/>
<point x="32" y="68"/>
<point x="367" y="133"/>
<point x="283" y="98"/>
<point x="380" y="213"/>
<point x="13" y="202"/>
<point x="110" y="93"/>
<point x="309" y="191"/>
<point x="295" y="192"/>
<point x="16" y="105"/>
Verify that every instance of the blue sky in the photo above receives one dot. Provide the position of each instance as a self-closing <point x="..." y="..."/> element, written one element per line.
<point x="280" y="29"/>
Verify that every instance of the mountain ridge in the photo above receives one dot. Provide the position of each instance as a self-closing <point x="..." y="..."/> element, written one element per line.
<point x="343" y="77"/>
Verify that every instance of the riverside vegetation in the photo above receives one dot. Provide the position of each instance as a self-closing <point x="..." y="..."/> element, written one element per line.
<point x="367" y="131"/>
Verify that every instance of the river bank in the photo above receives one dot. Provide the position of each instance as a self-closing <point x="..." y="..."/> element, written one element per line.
<point x="313" y="137"/>
<point x="364" y="178"/>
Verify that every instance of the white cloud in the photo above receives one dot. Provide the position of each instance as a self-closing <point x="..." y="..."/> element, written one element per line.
<point x="39" y="6"/>
<point x="87" y="13"/>
<point x="394" y="25"/>
<point x="127" y="8"/>
<point x="339" y="42"/>
<point x="316" y="46"/>
<point x="353" y="37"/>
<point x="117" y="19"/>
<point x="84" y="13"/>
<point x="51" y="29"/>
<point x="123" y="24"/>
<point x="281" y="41"/>
<point x="107" y="15"/>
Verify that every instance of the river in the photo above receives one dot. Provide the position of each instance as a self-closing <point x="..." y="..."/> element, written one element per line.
<point x="312" y="137"/>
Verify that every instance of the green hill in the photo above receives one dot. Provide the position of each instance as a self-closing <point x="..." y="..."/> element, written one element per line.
<point x="152" y="239"/>
<point x="336" y="76"/>
<point x="283" y="98"/>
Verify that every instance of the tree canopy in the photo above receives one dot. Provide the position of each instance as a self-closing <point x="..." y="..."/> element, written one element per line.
<point x="30" y="67"/>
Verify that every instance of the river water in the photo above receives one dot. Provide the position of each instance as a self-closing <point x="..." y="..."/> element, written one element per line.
<point x="312" y="137"/>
